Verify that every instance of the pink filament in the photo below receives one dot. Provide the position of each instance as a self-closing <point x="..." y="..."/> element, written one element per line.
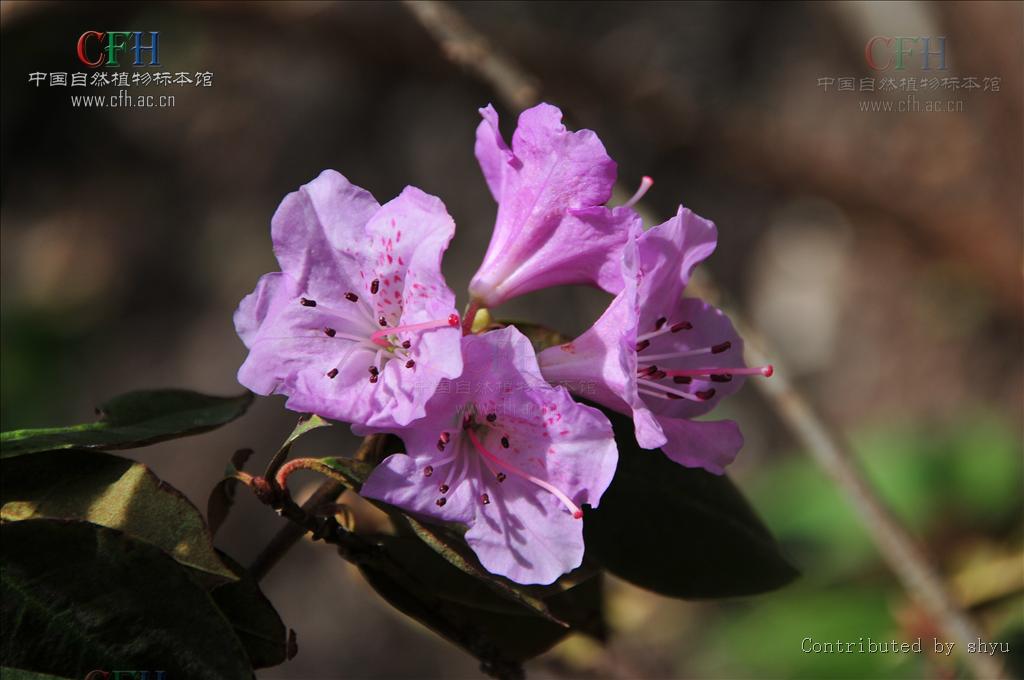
<point x="573" y="508"/>
<point x="380" y="337"/>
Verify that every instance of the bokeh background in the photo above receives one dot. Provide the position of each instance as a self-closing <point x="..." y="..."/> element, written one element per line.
<point x="880" y="252"/>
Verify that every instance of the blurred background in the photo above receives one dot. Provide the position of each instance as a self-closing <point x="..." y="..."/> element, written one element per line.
<point x="880" y="252"/>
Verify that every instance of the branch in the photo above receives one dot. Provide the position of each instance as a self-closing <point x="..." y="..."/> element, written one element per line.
<point x="466" y="47"/>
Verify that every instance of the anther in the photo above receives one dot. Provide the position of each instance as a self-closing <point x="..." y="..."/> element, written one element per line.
<point x="642" y="345"/>
<point x="491" y="417"/>
<point x="330" y="332"/>
<point x="410" y="363"/>
<point x="721" y="378"/>
<point x="485" y="499"/>
<point x="351" y="297"/>
<point x="705" y="394"/>
<point x="332" y="373"/>
<point x="658" y="375"/>
<point x="504" y="442"/>
<point x="441" y="501"/>
<point x="501" y="477"/>
<point x="648" y="370"/>
<point x="443" y="488"/>
<point x="374" y="286"/>
<point x="681" y="326"/>
<point x="407" y="344"/>
<point x="659" y="323"/>
<point x="445" y="437"/>
<point x="721" y="347"/>
<point x="306" y="302"/>
<point x="373" y="378"/>
<point x="382" y="321"/>
<point x="682" y="379"/>
<point x="373" y="370"/>
<point x="429" y="470"/>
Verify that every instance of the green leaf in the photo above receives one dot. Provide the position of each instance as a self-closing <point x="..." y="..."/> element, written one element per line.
<point x="256" y="622"/>
<point x="679" y="531"/>
<point x="8" y="673"/>
<point x="78" y="597"/>
<point x="500" y="639"/>
<point x="305" y="424"/>
<point x="131" y="420"/>
<point x="349" y="471"/>
<point x="114" y="492"/>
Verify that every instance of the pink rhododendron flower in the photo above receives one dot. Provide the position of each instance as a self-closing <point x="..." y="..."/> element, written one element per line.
<point x="552" y="226"/>
<point x="508" y="455"/>
<point x="358" y="325"/>
<point x="660" y="357"/>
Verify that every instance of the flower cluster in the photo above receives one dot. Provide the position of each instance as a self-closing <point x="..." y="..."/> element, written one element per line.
<point x="359" y="326"/>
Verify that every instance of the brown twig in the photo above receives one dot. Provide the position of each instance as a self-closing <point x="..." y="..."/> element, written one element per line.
<point x="469" y="49"/>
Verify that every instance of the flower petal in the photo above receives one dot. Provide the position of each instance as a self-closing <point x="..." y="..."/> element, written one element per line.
<point x="401" y="481"/>
<point x="711" y="445"/>
<point x="552" y="228"/>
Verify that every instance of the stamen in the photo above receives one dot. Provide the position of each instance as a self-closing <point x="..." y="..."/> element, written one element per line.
<point x="645" y="184"/>
<point x="351" y="297"/>
<point x="332" y="373"/>
<point x="383" y="322"/>
<point x="642" y="345"/>
<point x="501" y="477"/>
<point x="374" y="286"/>
<point x="706" y="394"/>
<point x="557" y="493"/>
<point x="380" y="337"/>
<point x="330" y="332"/>
<point x="659" y="323"/>
<point x="443" y="488"/>
<point x="407" y="344"/>
<point x="305" y="302"/>
<point x="721" y="378"/>
<point x="714" y="349"/>
<point x="410" y="363"/>
<point x="766" y="371"/>
<point x="660" y="329"/>
<point x="441" y="501"/>
<point x="429" y="470"/>
<point x="660" y="390"/>
<point x="491" y="417"/>
<point x="504" y="442"/>
<point x="485" y="499"/>
<point x="682" y="379"/>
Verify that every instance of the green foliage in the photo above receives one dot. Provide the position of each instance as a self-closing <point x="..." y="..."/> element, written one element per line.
<point x="113" y="492"/>
<point x="108" y="567"/>
<point x="678" y="531"/>
<point x="131" y="420"/>
<point x="77" y="597"/>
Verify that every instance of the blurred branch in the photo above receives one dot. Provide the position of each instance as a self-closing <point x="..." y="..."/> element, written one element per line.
<point x="469" y="49"/>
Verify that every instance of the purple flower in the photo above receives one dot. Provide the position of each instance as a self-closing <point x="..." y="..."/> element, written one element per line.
<point x="660" y="357"/>
<point x="508" y="455"/>
<point x="552" y="227"/>
<point x="358" y="325"/>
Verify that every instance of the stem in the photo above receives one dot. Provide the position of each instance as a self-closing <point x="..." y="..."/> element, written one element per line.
<point x="468" y="48"/>
<point x="469" y="316"/>
<point x="294" y="530"/>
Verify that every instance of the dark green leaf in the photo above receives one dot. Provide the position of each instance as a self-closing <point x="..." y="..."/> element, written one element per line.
<point x="222" y="497"/>
<point x="7" y="673"/>
<point x="500" y="640"/>
<point x="78" y="597"/>
<point x="306" y="424"/>
<point x="109" y="491"/>
<point x="256" y="622"/>
<point x="679" y="531"/>
<point x="131" y="420"/>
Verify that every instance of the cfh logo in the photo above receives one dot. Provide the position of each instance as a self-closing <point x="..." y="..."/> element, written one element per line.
<point x="884" y="52"/>
<point x="103" y="48"/>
